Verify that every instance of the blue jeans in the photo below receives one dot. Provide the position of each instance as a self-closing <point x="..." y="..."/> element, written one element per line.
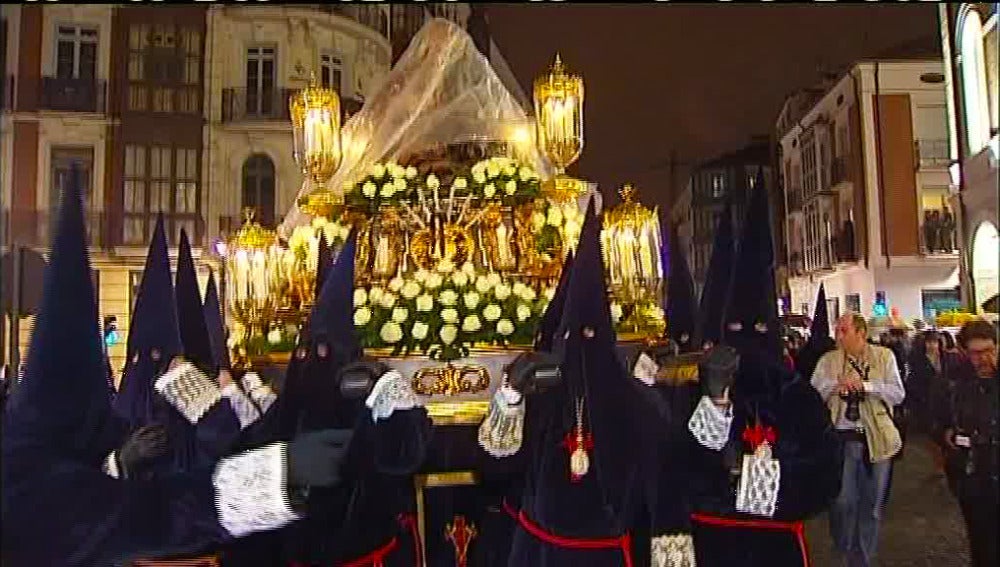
<point x="855" y="514"/>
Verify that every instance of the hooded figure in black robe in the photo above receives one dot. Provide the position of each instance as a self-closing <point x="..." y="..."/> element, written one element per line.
<point x="750" y="511"/>
<point x="718" y="280"/>
<point x="681" y="307"/>
<point x="368" y="519"/>
<point x="820" y="342"/>
<point x="581" y="510"/>
<point x="60" y="507"/>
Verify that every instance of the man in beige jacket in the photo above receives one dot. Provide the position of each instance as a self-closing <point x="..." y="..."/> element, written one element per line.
<point x="860" y="384"/>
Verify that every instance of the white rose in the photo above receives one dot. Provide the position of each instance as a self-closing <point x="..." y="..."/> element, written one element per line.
<point x="492" y="312"/>
<point x="399" y="183"/>
<point x="368" y="189"/>
<point x="434" y="281"/>
<point x="410" y="290"/>
<point x="471" y="324"/>
<point x="518" y="288"/>
<point x="527" y="294"/>
<point x="448" y="297"/>
<point x="489" y="191"/>
<point x="378" y="170"/>
<point x="555" y="216"/>
<point x="511" y="187"/>
<point x="449" y="315"/>
<point x="616" y="312"/>
<point x="460" y="183"/>
<point x="391" y="332"/>
<point x="274" y="337"/>
<point x="425" y="303"/>
<point x="494" y="278"/>
<point x="492" y="170"/>
<point x="421" y="275"/>
<point x="445" y="266"/>
<point x="396" y="283"/>
<point x="505" y="327"/>
<point x="550" y="293"/>
<point x="448" y="334"/>
<point x="460" y="279"/>
<point x="469" y="268"/>
<point x="479" y="177"/>
<point x="388" y="190"/>
<point x="419" y="330"/>
<point x="388" y="300"/>
<point x="360" y="297"/>
<point x="395" y="170"/>
<point x="483" y="284"/>
<point x="400" y="314"/>
<point x="501" y="291"/>
<point x="375" y="294"/>
<point x="537" y="221"/>
<point x="471" y="300"/>
<point x="510" y="170"/>
<point x="526" y="173"/>
<point x="523" y="312"/>
<point x="362" y="316"/>
<point x="411" y="172"/>
<point x="433" y="182"/>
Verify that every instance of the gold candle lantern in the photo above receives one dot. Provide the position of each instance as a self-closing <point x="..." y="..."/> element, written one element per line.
<point x="315" y="113"/>
<point x="252" y="286"/>
<point x="631" y="243"/>
<point x="559" y="122"/>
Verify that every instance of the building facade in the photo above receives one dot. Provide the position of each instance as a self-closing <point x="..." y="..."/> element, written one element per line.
<point x="865" y="181"/>
<point x="969" y="42"/>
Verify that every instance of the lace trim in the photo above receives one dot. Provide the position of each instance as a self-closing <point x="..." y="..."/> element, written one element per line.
<point x="242" y="406"/>
<point x="259" y="392"/>
<point x="502" y="432"/>
<point x="710" y="425"/>
<point x="110" y="466"/>
<point x="673" y="551"/>
<point x="250" y="491"/>
<point x="760" y="481"/>
<point x="645" y="369"/>
<point x="189" y="390"/>
<point x="392" y="392"/>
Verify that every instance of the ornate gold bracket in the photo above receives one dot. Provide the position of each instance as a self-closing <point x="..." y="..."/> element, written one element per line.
<point x="450" y="380"/>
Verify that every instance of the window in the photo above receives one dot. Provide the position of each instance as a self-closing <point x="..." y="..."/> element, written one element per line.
<point x="938" y="301"/>
<point x="164" y="68"/>
<point x="258" y="187"/>
<point x="61" y="162"/>
<point x="159" y="179"/>
<point x="76" y="52"/>
<point x="974" y="88"/>
<point x="260" y="72"/>
<point x="991" y="63"/>
<point x="331" y="72"/>
<point x="852" y="301"/>
<point x="718" y="185"/>
<point x="808" y="142"/>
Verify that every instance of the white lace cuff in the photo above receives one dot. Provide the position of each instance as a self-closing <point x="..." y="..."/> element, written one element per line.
<point x="710" y="425"/>
<point x="189" y="390"/>
<point x="242" y="406"/>
<point x="250" y="491"/>
<point x="392" y="392"/>
<point x="502" y="432"/>
<point x="760" y="481"/>
<point x="110" y="466"/>
<point x="645" y="369"/>
<point x="673" y="551"/>
<point x="259" y="392"/>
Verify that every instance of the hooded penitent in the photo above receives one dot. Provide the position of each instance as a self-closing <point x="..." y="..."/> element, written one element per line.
<point x="681" y="310"/>
<point x="216" y="328"/>
<point x="324" y="263"/>
<point x="819" y="342"/>
<point x="554" y="312"/>
<point x="153" y="337"/>
<point x="717" y="282"/>
<point x="191" y="316"/>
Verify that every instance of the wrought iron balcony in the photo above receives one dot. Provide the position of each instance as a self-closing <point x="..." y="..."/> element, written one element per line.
<point x="137" y="228"/>
<point x="242" y="104"/>
<point x="33" y="227"/>
<point x="73" y="95"/>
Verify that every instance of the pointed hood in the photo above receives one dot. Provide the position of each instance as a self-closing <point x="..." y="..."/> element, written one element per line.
<point x="820" y="342"/>
<point x="190" y="313"/>
<point x="324" y="262"/>
<point x="681" y="310"/>
<point x="332" y="318"/>
<point x="820" y="326"/>
<point x="718" y="279"/>
<point x="751" y="319"/>
<point x="216" y="328"/>
<point x="591" y="366"/>
<point x="153" y="336"/>
<point x="62" y="405"/>
<point x="554" y="312"/>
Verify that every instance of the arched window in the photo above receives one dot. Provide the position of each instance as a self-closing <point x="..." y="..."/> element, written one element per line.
<point x="977" y="112"/>
<point x="258" y="187"/>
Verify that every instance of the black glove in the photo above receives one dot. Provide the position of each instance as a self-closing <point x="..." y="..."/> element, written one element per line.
<point x="358" y="378"/>
<point x="717" y="370"/>
<point x="534" y="371"/>
<point x="141" y="447"/>
<point x="314" y="458"/>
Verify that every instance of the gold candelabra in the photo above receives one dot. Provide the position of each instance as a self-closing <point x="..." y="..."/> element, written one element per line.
<point x="559" y="120"/>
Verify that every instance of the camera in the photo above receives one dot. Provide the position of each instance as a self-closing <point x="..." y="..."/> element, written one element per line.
<point x="853" y="399"/>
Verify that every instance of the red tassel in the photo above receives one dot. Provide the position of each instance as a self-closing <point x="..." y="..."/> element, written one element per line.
<point x="756" y="436"/>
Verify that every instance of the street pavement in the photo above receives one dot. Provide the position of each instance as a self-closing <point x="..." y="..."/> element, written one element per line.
<point x="922" y="526"/>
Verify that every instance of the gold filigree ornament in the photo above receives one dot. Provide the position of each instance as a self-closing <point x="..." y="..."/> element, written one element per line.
<point x="455" y="247"/>
<point x="252" y="235"/>
<point x="451" y="380"/>
<point x="321" y="203"/>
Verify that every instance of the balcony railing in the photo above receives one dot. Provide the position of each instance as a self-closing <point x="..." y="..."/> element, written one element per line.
<point x="938" y="237"/>
<point x="794" y="199"/>
<point x="73" y="95"/>
<point x="932" y="153"/>
<point x="137" y="228"/>
<point x="32" y="227"/>
<point x="839" y="173"/>
<point x="242" y="104"/>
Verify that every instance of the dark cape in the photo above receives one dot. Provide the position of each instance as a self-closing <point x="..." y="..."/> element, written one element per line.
<point x="819" y="342"/>
<point x="712" y="305"/>
<point x="612" y="501"/>
<point x="59" y="507"/>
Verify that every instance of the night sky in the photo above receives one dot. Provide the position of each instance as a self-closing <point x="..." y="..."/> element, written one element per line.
<point x="700" y="80"/>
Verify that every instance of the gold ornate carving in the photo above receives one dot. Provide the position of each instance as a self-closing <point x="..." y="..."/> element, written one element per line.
<point x="449" y="380"/>
<point x="456" y="246"/>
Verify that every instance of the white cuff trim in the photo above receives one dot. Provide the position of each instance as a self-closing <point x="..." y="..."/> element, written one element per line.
<point x="110" y="466"/>
<point x="760" y="481"/>
<point x="673" y="551"/>
<point x="392" y="392"/>
<point x="502" y="432"/>
<point x="250" y="491"/>
<point x="645" y="369"/>
<point x="189" y="390"/>
<point x="242" y="406"/>
<point x="710" y="425"/>
<point x="259" y="392"/>
<point x="250" y="381"/>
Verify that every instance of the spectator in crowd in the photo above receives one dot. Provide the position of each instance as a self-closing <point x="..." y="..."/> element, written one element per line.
<point x="947" y="228"/>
